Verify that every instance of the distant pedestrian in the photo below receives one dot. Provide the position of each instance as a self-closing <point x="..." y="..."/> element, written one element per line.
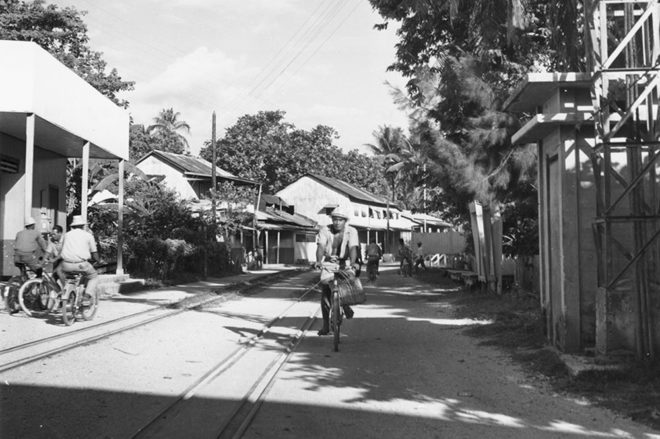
<point x="419" y="256"/>
<point x="374" y="254"/>
<point x="405" y="256"/>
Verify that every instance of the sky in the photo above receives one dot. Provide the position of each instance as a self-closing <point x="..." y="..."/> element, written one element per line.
<point x="320" y="61"/>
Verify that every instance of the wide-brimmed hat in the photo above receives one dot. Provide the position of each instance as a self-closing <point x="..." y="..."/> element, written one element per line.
<point x="78" y="220"/>
<point x="29" y="221"/>
<point x="341" y="212"/>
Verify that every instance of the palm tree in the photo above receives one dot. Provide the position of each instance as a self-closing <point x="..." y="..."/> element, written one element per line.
<point x="388" y="140"/>
<point x="168" y="125"/>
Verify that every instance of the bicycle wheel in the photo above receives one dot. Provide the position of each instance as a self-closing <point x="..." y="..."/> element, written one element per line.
<point x="30" y="296"/>
<point x="335" y="318"/>
<point x="10" y="293"/>
<point x="69" y="306"/>
<point x="89" y="305"/>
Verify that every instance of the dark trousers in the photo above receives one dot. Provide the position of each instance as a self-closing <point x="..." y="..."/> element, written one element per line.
<point x="326" y="300"/>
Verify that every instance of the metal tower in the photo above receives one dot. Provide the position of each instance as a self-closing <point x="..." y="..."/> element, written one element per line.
<point x="622" y="40"/>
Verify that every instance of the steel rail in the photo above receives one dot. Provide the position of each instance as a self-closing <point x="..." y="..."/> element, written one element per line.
<point x="257" y="393"/>
<point x="78" y="343"/>
<point x="226" y="363"/>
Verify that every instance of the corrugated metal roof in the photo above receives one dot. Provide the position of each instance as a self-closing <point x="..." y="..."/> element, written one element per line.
<point x="285" y="217"/>
<point x="348" y="189"/>
<point x="191" y="165"/>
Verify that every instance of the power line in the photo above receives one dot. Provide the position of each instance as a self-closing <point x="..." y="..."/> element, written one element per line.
<point x="324" y="42"/>
<point x="333" y="14"/>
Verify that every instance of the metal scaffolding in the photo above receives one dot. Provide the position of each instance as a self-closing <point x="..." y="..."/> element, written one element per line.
<point x="622" y="40"/>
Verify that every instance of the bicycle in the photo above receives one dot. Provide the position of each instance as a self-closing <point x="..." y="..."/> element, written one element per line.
<point x="76" y="300"/>
<point x="13" y="285"/>
<point x="72" y="300"/>
<point x="342" y="292"/>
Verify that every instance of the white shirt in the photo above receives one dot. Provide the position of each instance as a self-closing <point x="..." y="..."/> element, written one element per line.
<point x="78" y="246"/>
<point x="349" y="239"/>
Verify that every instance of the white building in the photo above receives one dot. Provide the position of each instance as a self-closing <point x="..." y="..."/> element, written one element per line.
<point x="47" y="115"/>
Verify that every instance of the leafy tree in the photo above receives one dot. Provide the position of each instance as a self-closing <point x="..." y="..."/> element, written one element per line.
<point x="265" y="148"/>
<point x="62" y="32"/>
<point x="167" y="131"/>
<point x="462" y="58"/>
<point x="140" y="142"/>
<point x="233" y="200"/>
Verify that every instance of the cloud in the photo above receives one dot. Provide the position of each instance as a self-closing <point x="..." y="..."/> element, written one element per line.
<point x="200" y="76"/>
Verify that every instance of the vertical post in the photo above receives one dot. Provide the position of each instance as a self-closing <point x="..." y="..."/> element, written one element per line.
<point x="266" y="249"/>
<point x="278" y="247"/>
<point x="120" y="220"/>
<point x="213" y="172"/>
<point x="387" y="232"/>
<point x="255" y="233"/>
<point x="85" y="180"/>
<point x="29" y="163"/>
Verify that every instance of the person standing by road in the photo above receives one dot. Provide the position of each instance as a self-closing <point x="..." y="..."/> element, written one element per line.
<point x="419" y="257"/>
<point x="405" y="255"/>
<point x="374" y="254"/>
<point x="54" y="250"/>
<point x="29" y="247"/>
<point x="336" y="246"/>
<point x="78" y="248"/>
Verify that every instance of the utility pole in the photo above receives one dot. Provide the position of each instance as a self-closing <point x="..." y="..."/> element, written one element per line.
<point x="213" y="176"/>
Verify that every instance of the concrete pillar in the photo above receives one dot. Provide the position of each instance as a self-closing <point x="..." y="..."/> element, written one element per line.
<point x="29" y="164"/>
<point x="278" y="246"/>
<point x="84" y="186"/>
<point x="120" y="219"/>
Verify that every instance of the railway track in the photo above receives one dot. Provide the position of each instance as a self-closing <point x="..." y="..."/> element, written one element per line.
<point x="26" y="353"/>
<point x="236" y="420"/>
<point x="250" y="364"/>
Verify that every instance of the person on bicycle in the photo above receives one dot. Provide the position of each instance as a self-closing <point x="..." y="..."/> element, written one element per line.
<point x="29" y="247"/>
<point x="405" y="255"/>
<point x="374" y="254"/>
<point x="78" y="247"/>
<point x="337" y="243"/>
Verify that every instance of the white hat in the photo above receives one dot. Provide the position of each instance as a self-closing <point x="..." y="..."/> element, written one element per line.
<point x="341" y="212"/>
<point x="29" y="221"/>
<point x="78" y="220"/>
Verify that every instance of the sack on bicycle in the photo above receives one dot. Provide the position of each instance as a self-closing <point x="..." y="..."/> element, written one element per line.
<point x="351" y="291"/>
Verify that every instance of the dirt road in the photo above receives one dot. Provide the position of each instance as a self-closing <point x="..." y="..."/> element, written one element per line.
<point x="404" y="370"/>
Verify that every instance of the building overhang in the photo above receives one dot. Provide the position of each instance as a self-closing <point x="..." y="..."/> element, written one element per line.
<point x="539" y="87"/>
<point x="541" y="125"/>
<point x="68" y="111"/>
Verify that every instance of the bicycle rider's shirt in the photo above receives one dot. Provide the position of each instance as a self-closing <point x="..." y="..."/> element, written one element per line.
<point x="78" y="246"/>
<point x="29" y="241"/>
<point x="337" y="244"/>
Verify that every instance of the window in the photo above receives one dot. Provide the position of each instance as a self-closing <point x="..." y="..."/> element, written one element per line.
<point x="301" y="237"/>
<point x="8" y="164"/>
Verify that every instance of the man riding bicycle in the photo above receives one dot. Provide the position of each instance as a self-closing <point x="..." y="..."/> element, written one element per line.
<point x="337" y="244"/>
<point x="78" y="247"/>
<point x="29" y="247"/>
